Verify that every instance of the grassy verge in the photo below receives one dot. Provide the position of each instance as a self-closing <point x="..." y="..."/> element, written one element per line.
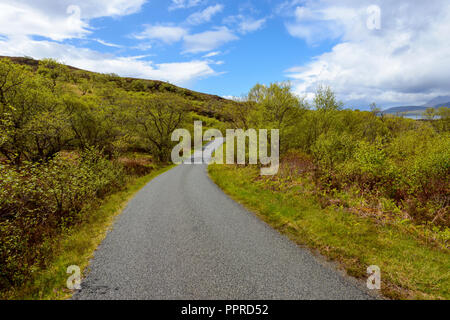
<point x="78" y="244"/>
<point x="410" y="269"/>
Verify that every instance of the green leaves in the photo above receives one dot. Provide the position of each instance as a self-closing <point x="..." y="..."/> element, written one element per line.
<point x="333" y="148"/>
<point x="155" y="117"/>
<point x="403" y="160"/>
<point x="37" y="200"/>
<point x="325" y="100"/>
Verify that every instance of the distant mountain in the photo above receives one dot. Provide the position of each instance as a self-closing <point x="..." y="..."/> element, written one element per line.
<point x="437" y="101"/>
<point x="406" y="109"/>
<point x="441" y="101"/>
<point x="447" y="105"/>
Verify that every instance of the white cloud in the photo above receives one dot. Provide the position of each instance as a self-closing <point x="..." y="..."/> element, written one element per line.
<point x="108" y="44"/>
<point x="406" y="61"/>
<point x="183" y="4"/>
<point x="22" y="20"/>
<point x="89" y="8"/>
<point x="235" y="98"/>
<point x="208" y="40"/>
<point x="181" y="73"/>
<point x="58" y="20"/>
<point x="230" y="97"/>
<point x="211" y="54"/>
<point x="315" y="24"/>
<point x="245" y="24"/>
<point x="251" y="25"/>
<point x="168" y="34"/>
<point x="204" y="15"/>
<point x="192" y="43"/>
<point x="142" y="46"/>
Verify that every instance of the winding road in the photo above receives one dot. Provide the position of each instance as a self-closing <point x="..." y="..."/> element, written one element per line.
<point x="181" y="237"/>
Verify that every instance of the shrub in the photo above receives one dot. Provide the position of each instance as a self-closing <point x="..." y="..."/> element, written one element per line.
<point x="333" y="148"/>
<point x="39" y="201"/>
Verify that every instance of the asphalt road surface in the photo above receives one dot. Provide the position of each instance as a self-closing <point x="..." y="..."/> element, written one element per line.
<point x="181" y="237"/>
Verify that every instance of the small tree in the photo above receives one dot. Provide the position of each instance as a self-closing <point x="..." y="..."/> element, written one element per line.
<point x="325" y="100"/>
<point x="53" y="70"/>
<point x="156" y="117"/>
<point x="430" y="114"/>
<point x="375" y="109"/>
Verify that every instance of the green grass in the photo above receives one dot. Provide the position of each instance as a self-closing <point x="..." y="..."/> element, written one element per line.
<point x="410" y="269"/>
<point x="77" y="245"/>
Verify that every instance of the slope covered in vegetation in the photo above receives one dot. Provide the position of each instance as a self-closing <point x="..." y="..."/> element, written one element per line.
<point x="70" y="137"/>
<point x="402" y="161"/>
<point x="363" y="189"/>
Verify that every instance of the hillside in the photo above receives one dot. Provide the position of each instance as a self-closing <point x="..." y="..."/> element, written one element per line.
<point x="210" y="105"/>
<point x="70" y="140"/>
<point x="443" y="105"/>
<point x="438" y="102"/>
<point x="405" y="109"/>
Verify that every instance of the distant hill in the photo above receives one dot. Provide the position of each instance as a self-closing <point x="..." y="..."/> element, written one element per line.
<point x="156" y="85"/>
<point x="447" y="105"/>
<point x="405" y="109"/>
<point x="438" y="102"/>
<point x="205" y="104"/>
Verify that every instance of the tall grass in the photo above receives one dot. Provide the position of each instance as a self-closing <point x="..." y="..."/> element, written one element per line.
<point x="412" y="267"/>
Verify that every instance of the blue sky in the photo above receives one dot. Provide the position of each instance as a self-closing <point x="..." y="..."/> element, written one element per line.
<point x="390" y="52"/>
<point x="255" y="56"/>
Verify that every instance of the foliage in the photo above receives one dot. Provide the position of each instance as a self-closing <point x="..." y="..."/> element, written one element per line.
<point x="156" y="117"/>
<point x="68" y="138"/>
<point x="54" y="120"/>
<point x="37" y="201"/>
<point x="76" y="246"/>
<point x="413" y="259"/>
<point x="402" y="160"/>
<point x="53" y="108"/>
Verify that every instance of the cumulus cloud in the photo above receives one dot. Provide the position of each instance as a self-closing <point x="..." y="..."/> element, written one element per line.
<point x="192" y="42"/>
<point x="204" y="15"/>
<point x="315" y="25"/>
<point x="167" y="34"/>
<point x="89" y="8"/>
<point x="406" y="61"/>
<point x="181" y="73"/>
<point x="58" y="20"/>
<point x="208" y="40"/>
<point x="20" y="20"/>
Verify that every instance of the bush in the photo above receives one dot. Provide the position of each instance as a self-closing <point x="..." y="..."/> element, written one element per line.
<point x="39" y="201"/>
<point x="333" y="148"/>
